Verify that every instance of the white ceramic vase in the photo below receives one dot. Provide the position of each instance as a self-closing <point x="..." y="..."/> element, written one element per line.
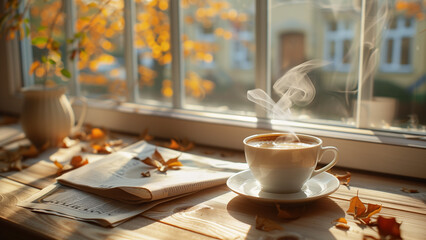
<point x="46" y="117"/>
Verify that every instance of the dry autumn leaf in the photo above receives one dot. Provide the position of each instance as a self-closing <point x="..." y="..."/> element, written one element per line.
<point x="342" y="223"/>
<point x="75" y="162"/>
<point x="145" y="135"/>
<point x="267" y="225"/>
<point x="360" y="212"/>
<point x="181" y="145"/>
<point x="343" y="226"/>
<point x="96" y="133"/>
<point x="344" y="179"/>
<point x="389" y="227"/>
<point x="146" y="174"/>
<point x="156" y="160"/>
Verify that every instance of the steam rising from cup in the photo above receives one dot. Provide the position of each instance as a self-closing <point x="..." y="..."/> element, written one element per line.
<point x="294" y="87"/>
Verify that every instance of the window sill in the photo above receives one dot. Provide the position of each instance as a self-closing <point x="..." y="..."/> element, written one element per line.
<point x="358" y="149"/>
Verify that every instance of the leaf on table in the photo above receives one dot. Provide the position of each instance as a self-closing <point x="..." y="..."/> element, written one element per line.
<point x="409" y="190"/>
<point x="344" y="179"/>
<point x="156" y="160"/>
<point x="290" y="212"/>
<point x="362" y="213"/>
<point x="342" y="226"/>
<point x="146" y="174"/>
<point x="96" y="133"/>
<point x="356" y="207"/>
<point x="341" y="220"/>
<point x="101" y="148"/>
<point x="145" y="135"/>
<point x="181" y="145"/>
<point x="388" y="227"/>
<point x="75" y="162"/>
<point x="267" y="225"/>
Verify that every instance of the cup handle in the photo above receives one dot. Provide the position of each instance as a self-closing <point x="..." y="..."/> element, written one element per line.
<point x="331" y="164"/>
<point x="83" y="112"/>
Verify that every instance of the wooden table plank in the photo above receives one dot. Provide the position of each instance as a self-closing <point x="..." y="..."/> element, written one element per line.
<point x="50" y="226"/>
<point x="221" y="213"/>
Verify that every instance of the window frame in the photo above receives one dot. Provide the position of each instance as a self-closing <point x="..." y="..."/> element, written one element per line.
<point x="379" y="151"/>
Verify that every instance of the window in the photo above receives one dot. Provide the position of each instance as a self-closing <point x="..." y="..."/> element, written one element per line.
<point x="183" y="68"/>
<point x="397" y="45"/>
<point x="338" y="40"/>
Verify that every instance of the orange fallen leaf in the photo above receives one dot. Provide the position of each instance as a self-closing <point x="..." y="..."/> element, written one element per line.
<point x="145" y="135"/>
<point x="59" y="166"/>
<point x="77" y="161"/>
<point x="344" y="179"/>
<point x="343" y="226"/>
<point x="173" y="144"/>
<point x="267" y="225"/>
<point x="146" y="174"/>
<point x="360" y="212"/>
<point x="181" y="145"/>
<point x="341" y="220"/>
<point x="96" y="133"/>
<point x="356" y="207"/>
<point x="156" y="160"/>
<point x="388" y="226"/>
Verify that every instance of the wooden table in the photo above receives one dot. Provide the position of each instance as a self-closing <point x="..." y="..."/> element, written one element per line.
<point x="217" y="213"/>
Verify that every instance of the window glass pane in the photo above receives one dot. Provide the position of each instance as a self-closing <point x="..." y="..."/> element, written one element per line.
<point x="405" y="50"/>
<point x="48" y="42"/>
<point x="219" y="54"/>
<point x="400" y="86"/>
<point x="152" y="40"/>
<point x="324" y="32"/>
<point x="101" y="56"/>
<point x="389" y="50"/>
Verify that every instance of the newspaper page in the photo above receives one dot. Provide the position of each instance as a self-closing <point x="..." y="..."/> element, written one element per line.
<point x="118" y="175"/>
<point x="68" y="202"/>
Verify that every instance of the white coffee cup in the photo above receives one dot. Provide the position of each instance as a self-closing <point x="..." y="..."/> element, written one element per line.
<point x="282" y="166"/>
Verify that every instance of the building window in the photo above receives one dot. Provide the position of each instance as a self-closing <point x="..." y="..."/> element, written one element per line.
<point x="397" y="46"/>
<point x="338" y="40"/>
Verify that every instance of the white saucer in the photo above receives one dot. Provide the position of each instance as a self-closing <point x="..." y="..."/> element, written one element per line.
<point x="244" y="184"/>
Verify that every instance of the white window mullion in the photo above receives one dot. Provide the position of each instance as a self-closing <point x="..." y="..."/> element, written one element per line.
<point x="263" y="72"/>
<point x="176" y="29"/>
<point x="130" y="51"/>
<point x="71" y="64"/>
<point x="360" y="114"/>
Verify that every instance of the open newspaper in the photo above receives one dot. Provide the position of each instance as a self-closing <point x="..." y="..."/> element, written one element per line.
<point x="112" y="189"/>
<point x="118" y="175"/>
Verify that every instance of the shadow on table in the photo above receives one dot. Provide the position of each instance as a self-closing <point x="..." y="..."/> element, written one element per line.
<point x="315" y="219"/>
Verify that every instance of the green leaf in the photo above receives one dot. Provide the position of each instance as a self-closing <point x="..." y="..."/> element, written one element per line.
<point x="51" y="61"/>
<point x="39" y="40"/>
<point x="43" y="59"/>
<point x="65" y="73"/>
<point x="41" y="28"/>
<point x="27" y="30"/>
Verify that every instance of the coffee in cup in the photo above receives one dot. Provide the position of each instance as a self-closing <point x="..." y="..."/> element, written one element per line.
<point x="283" y="162"/>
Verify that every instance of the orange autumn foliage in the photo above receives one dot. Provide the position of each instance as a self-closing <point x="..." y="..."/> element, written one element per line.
<point x="360" y="212"/>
